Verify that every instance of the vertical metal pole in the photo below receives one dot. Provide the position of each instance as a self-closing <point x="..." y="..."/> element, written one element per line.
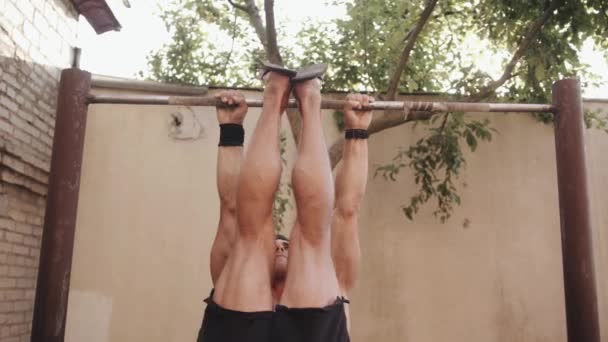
<point x="577" y="251"/>
<point x="53" y="286"/>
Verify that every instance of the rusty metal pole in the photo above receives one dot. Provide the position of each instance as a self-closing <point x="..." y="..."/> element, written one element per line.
<point x="53" y="285"/>
<point x="577" y="250"/>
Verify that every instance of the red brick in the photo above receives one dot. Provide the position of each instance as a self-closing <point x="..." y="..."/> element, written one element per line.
<point x="13" y="163"/>
<point x="40" y="22"/>
<point x="25" y="283"/>
<point x="21" y="250"/>
<point x="14" y="294"/>
<point x="16" y="214"/>
<point x="6" y="247"/>
<point x="20" y="261"/>
<point x="19" y="39"/>
<point x="18" y="329"/>
<point x="36" y="231"/>
<point x="6" y="307"/>
<point x="22" y="136"/>
<point x="31" y="241"/>
<point x="35" y="252"/>
<point x="5" y="126"/>
<point x="16" y="317"/>
<point x="8" y="103"/>
<point x="11" y="177"/>
<point x="4" y="113"/>
<point x="26" y="8"/>
<point x="5" y="331"/>
<point x="7" y="224"/>
<point x="10" y="92"/>
<point x="13" y="14"/>
<point x="7" y="283"/>
<point x="23" y="228"/>
<point x="22" y="305"/>
<point x="14" y="238"/>
<point x="25" y="113"/>
<point x="17" y="271"/>
<point x="31" y="33"/>
<point x="30" y="294"/>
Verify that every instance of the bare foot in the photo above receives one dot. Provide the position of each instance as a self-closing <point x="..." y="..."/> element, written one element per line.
<point x="308" y="92"/>
<point x="277" y="88"/>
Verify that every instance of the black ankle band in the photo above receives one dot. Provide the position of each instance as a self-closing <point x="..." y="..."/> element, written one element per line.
<point x="356" y="134"/>
<point x="231" y="135"/>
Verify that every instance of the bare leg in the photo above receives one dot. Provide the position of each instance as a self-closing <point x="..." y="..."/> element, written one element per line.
<point x="311" y="278"/>
<point x="245" y="284"/>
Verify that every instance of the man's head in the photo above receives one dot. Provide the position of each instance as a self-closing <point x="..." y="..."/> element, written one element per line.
<point x="281" y="254"/>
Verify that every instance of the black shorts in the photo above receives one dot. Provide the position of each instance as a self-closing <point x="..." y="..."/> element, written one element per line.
<point x="224" y="325"/>
<point x="326" y="324"/>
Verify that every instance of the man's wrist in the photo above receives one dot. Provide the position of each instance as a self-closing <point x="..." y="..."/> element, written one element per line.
<point x="231" y="134"/>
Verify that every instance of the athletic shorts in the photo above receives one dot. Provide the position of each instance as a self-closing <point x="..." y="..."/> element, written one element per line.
<point x="326" y="324"/>
<point x="223" y="325"/>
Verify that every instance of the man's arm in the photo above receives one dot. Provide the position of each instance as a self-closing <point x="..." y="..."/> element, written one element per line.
<point x="229" y="159"/>
<point x="351" y="180"/>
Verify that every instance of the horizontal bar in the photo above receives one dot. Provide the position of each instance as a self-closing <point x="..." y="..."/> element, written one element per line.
<point x="437" y="107"/>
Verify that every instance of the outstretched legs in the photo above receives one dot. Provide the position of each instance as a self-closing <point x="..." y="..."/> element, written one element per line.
<point x="245" y="282"/>
<point x="311" y="277"/>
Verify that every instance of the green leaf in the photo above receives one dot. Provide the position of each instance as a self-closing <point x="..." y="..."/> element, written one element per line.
<point x="471" y="141"/>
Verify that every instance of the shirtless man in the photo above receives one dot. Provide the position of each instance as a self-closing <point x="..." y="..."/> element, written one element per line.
<point x="260" y="293"/>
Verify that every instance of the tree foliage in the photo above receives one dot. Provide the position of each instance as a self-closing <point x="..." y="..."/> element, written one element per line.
<point x="499" y="50"/>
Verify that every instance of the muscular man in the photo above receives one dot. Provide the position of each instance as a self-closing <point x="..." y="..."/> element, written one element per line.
<point x="251" y="274"/>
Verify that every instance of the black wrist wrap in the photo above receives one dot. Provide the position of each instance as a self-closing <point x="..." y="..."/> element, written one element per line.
<point x="231" y="135"/>
<point x="356" y="134"/>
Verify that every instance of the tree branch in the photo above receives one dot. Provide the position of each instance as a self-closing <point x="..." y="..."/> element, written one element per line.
<point x="388" y="120"/>
<point x="407" y="50"/>
<point x="237" y="6"/>
<point x="392" y="119"/>
<point x="532" y="32"/>
<point x="268" y="38"/>
<point x="272" y="51"/>
<point x="253" y="13"/>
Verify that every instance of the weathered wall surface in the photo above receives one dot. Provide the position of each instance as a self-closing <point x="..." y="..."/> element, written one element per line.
<point x="36" y="37"/>
<point x="148" y="213"/>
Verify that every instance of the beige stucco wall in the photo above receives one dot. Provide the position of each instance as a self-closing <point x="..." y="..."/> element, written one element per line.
<point x="148" y="211"/>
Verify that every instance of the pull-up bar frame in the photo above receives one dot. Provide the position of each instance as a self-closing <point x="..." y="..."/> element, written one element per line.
<point x="471" y="107"/>
<point x="50" y="310"/>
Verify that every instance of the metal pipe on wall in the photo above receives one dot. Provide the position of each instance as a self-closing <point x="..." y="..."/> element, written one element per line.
<point x="52" y="289"/>
<point x="577" y="249"/>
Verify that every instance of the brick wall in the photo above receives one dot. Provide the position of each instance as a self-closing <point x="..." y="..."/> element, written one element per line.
<point x="36" y="40"/>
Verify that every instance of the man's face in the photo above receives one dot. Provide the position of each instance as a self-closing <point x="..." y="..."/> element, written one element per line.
<point x="280" y="257"/>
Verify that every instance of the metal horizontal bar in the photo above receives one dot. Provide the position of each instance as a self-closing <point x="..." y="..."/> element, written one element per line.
<point x="437" y="107"/>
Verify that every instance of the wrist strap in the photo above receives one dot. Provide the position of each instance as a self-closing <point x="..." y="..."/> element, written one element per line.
<point x="231" y="135"/>
<point x="356" y="134"/>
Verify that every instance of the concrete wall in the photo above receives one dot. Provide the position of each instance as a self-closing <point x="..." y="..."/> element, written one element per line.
<point x="148" y="212"/>
<point x="36" y="38"/>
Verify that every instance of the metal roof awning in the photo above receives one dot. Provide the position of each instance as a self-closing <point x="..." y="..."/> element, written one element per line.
<point x="98" y="14"/>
